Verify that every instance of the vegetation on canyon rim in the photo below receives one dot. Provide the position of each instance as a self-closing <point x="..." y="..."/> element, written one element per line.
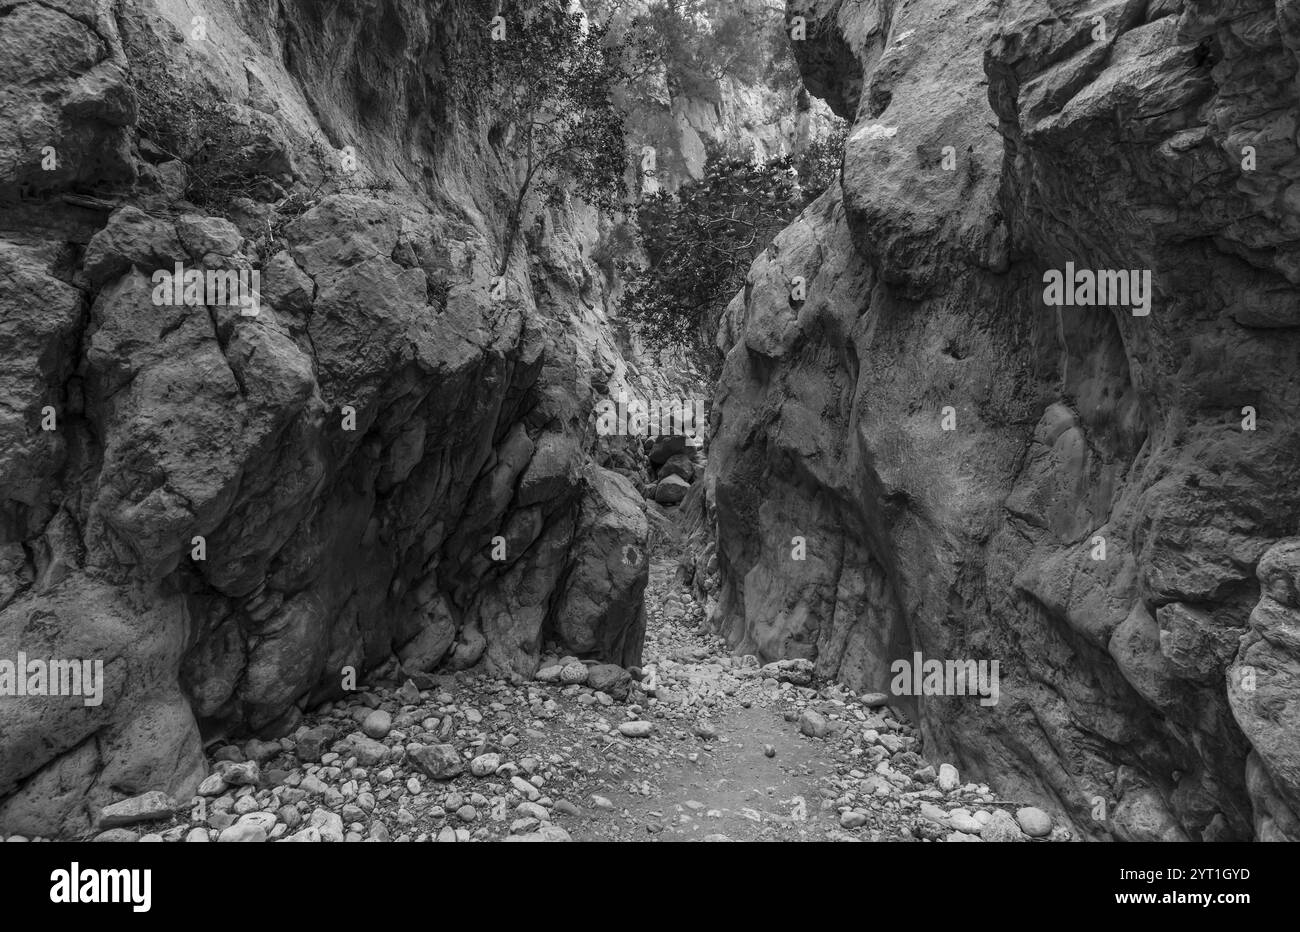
<point x="549" y="79"/>
<point x="556" y="86"/>
<point x="701" y="241"/>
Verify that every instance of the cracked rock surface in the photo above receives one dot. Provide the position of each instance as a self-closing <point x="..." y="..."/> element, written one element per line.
<point x="386" y="468"/>
<point x="1161" y="139"/>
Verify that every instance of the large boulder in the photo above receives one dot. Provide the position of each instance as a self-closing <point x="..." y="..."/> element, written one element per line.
<point x="671" y="490"/>
<point x="600" y="612"/>
<point x="678" y="465"/>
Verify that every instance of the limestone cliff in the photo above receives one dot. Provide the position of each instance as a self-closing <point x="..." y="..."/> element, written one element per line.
<point x="390" y="463"/>
<point x="1099" y="519"/>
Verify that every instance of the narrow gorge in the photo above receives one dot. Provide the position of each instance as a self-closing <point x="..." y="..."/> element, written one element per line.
<point x="366" y="556"/>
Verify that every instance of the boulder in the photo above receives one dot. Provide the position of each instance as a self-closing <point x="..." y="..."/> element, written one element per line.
<point x="600" y="613"/>
<point x="679" y="465"/>
<point x="671" y="490"/>
<point x="609" y="678"/>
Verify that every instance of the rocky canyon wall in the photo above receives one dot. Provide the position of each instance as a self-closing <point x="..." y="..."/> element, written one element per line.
<point x="388" y="467"/>
<point x="1074" y="492"/>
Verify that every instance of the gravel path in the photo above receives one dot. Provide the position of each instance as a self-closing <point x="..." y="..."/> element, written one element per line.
<point x="705" y="747"/>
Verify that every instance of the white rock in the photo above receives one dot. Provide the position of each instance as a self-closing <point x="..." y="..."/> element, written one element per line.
<point x="636" y="729"/>
<point x="266" y="820"/>
<point x="934" y="813"/>
<point x="242" y="832"/>
<point x="546" y="833"/>
<point x="328" y="824"/>
<point x="1034" y="822"/>
<point x="529" y="791"/>
<point x="212" y="785"/>
<point x="963" y="821"/>
<point x="948" y="778"/>
<point x="533" y="811"/>
<point x="312" y="784"/>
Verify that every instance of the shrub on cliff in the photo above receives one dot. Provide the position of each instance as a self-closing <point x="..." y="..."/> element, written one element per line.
<point x="547" y="78"/>
<point x="223" y="158"/>
<point x="700" y="242"/>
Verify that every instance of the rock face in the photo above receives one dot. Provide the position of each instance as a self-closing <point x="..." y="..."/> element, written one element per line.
<point x="924" y="456"/>
<point x="388" y="463"/>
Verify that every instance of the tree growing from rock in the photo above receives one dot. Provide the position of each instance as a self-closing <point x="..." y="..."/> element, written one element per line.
<point x="549" y="79"/>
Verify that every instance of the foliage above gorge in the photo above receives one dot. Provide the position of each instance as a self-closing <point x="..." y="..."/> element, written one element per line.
<point x="700" y="241"/>
<point x="547" y="78"/>
<point x="701" y="41"/>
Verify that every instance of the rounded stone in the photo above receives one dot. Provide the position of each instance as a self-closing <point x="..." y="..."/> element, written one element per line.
<point x="1034" y="822"/>
<point x="377" y="724"/>
<point x="485" y="765"/>
<point x="948" y="778"/>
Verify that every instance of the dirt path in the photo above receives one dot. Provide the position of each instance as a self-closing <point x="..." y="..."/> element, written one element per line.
<point x="725" y="787"/>
<point x="732" y="791"/>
